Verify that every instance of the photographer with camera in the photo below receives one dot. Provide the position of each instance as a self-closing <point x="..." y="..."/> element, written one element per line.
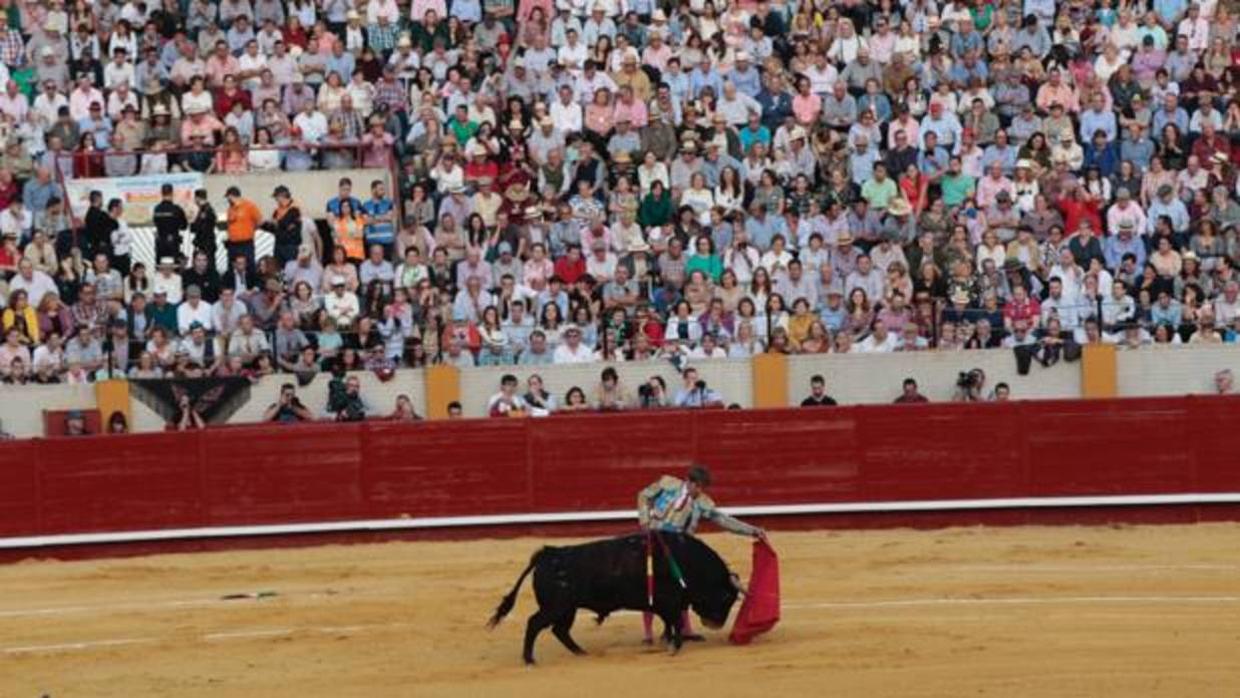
<point x="344" y="400"/>
<point x="288" y="408"/>
<point x="695" y="392"/>
<point x="970" y="386"/>
<point x="653" y="394"/>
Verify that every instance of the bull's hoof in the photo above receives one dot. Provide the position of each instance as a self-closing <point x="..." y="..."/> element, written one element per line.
<point x="530" y="663"/>
<point x="580" y="652"/>
<point x="693" y="637"/>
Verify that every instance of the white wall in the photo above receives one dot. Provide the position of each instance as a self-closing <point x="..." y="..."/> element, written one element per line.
<point x="851" y="379"/>
<point x="876" y="378"/>
<point x="1174" y="370"/>
<point x="732" y="378"/>
<point x="21" y="408"/>
<point x="144" y="418"/>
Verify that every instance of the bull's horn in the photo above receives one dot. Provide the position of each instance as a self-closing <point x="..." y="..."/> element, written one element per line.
<point x="736" y="582"/>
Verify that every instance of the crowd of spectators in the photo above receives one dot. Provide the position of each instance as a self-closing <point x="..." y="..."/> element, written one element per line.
<point x="616" y="180"/>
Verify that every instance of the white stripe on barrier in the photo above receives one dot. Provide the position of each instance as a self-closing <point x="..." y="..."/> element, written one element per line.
<point x="435" y="522"/>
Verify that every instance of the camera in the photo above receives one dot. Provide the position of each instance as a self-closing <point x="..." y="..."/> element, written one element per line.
<point x="644" y="391"/>
<point x="700" y="385"/>
<point x="968" y="380"/>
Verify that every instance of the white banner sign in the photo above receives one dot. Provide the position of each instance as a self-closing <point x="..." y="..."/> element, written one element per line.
<point x="138" y="194"/>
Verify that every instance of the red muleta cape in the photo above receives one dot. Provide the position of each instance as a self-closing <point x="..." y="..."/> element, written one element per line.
<point x="760" y="610"/>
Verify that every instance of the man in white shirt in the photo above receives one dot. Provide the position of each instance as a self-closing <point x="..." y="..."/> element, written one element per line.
<point x="708" y="348"/>
<point x="591" y="81"/>
<point x="572" y="350"/>
<point x="1227" y="305"/>
<point x="880" y="340"/>
<point x="312" y="123"/>
<point x="118" y="70"/>
<point x="1059" y="304"/>
<point x="341" y="304"/>
<point x="35" y="283"/>
<point x="17" y="219"/>
<point x="573" y="53"/>
<point x="539" y="57"/>
<point x="252" y="64"/>
<point x="168" y="280"/>
<point x="566" y="113"/>
<point x="194" y="310"/>
<point x="47" y="105"/>
<point x="736" y="106"/>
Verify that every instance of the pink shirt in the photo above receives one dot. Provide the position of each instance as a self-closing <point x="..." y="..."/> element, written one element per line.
<point x="526" y="8"/>
<point x="375" y="149"/>
<point x="417" y="11"/>
<point x="535" y="269"/>
<point x="806" y="108"/>
<point x="1049" y="94"/>
<point x="15" y="106"/>
<point x="635" y="111"/>
<point x="657" y="58"/>
<point x="79" y="102"/>
<point x="988" y="188"/>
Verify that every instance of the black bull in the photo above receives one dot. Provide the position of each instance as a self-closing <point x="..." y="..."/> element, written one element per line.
<point x="608" y="575"/>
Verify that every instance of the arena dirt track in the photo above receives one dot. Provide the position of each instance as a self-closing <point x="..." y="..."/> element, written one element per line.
<point x="1097" y="612"/>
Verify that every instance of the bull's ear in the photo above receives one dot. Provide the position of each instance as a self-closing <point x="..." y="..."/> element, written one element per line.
<point x="736" y="582"/>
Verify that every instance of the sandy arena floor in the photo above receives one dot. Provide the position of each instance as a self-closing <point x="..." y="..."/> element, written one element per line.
<point x="1062" y="612"/>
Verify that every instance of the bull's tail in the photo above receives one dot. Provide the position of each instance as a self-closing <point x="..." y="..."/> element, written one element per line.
<point x="506" y="604"/>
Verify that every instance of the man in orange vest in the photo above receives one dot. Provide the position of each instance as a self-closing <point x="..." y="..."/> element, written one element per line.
<point x="243" y="221"/>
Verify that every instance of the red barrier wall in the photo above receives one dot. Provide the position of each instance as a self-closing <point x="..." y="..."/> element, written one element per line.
<point x="328" y="472"/>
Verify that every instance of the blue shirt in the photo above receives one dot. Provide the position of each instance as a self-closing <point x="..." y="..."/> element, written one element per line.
<point x="1106" y="158"/>
<point x="343" y="65"/>
<point x="775" y="108"/>
<point x="1170" y="10"/>
<point x="1162" y="118"/>
<point x="1114" y="248"/>
<point x="879" y="103"/>
<point x="1140" y="152"/>
<point x="466" y="10"/>
<point x="748" y="82"/>
<point x="381" y="232"/>
<point x="962" y="43"/>
<point x="1094" y="121"/>
<point x="678" y="85"/>
<point x="749" y="136"/>
<point x="101" y="128"/>
<point x="35" y="195"/>
<point x="1005" y="156"/>
<point x="833" y="319"/>
<point x="1174" y="210"/>
<point x="761" y="232"/>
<point x="962" y="73"/>
<point x="1171" y="315"/>
<point x="333" y="205"/>
<point x="699" y="81"/>
<point x="933" y="161"/>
